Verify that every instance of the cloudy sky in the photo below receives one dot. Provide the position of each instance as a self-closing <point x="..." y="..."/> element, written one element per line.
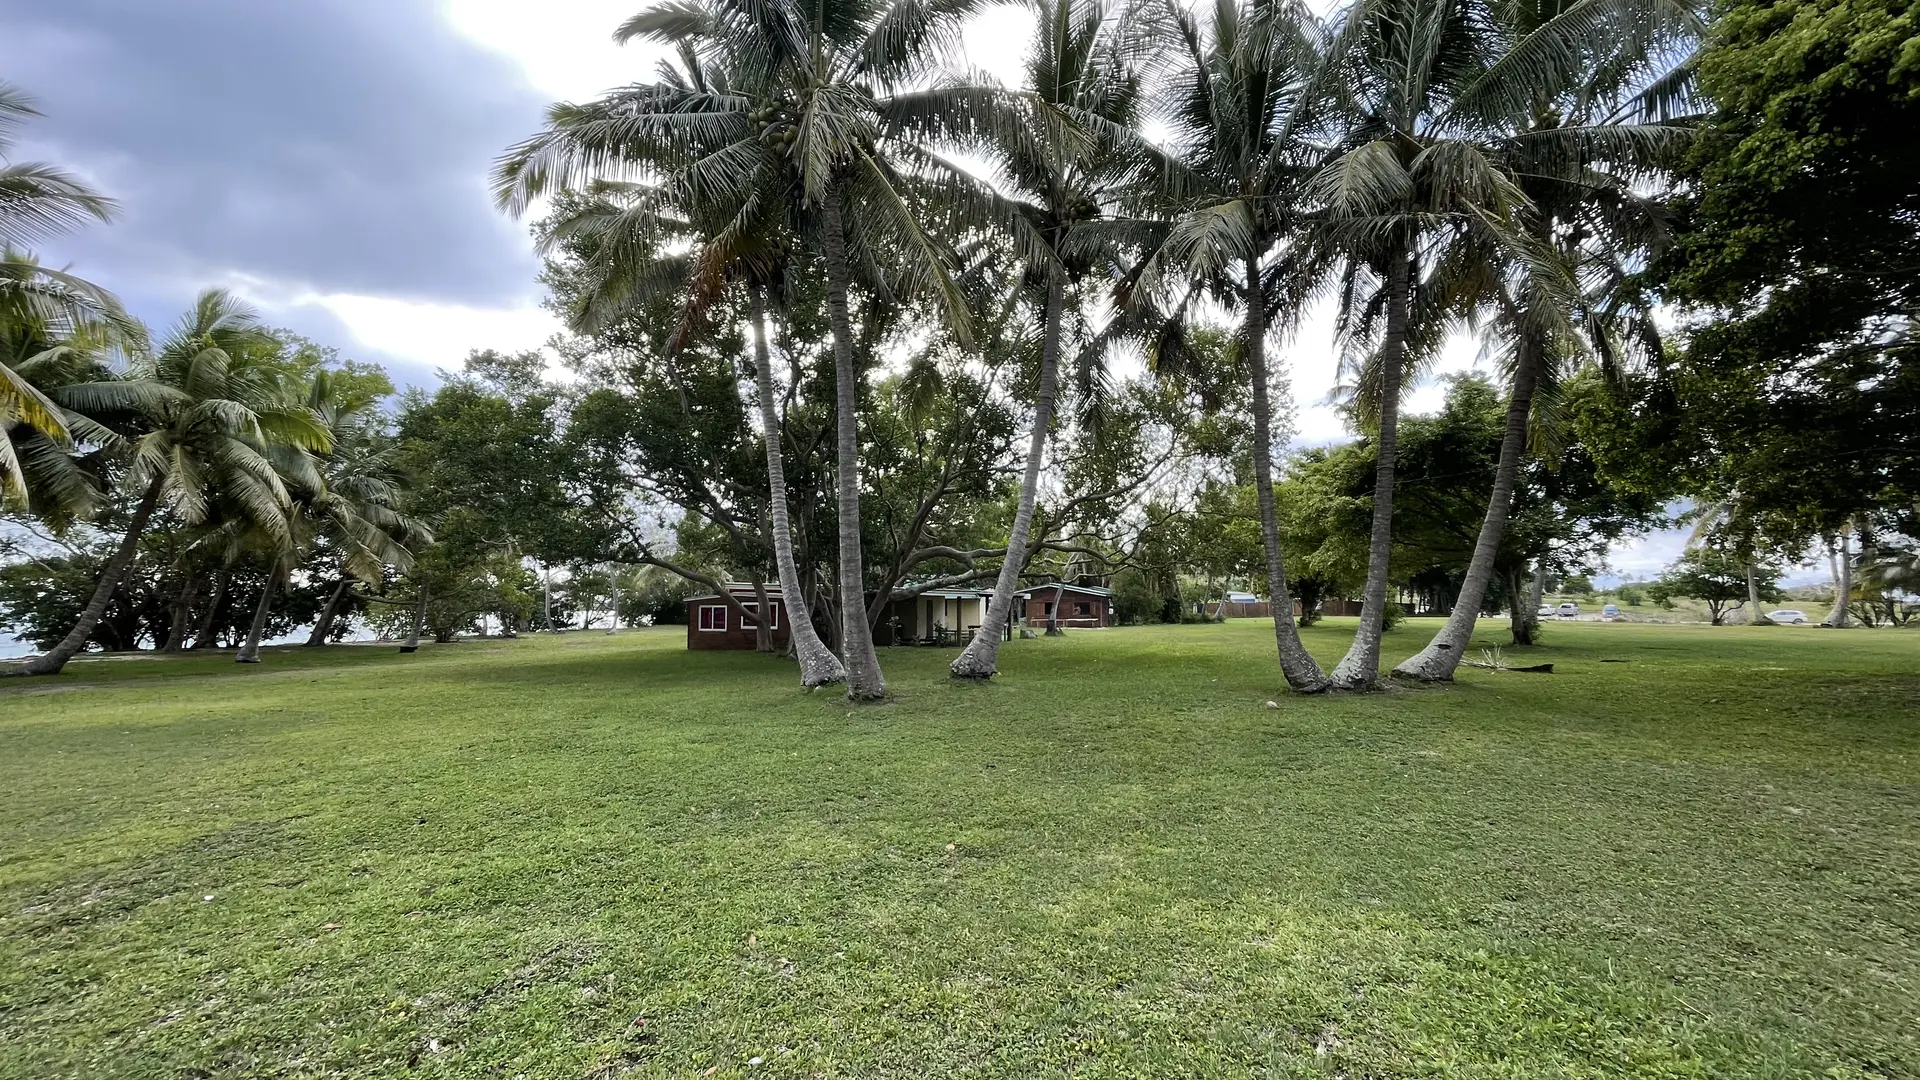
<point x="327" y="160"/>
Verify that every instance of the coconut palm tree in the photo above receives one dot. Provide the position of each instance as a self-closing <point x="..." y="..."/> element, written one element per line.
<point x="824" y="88"/>
<point x="1070" y="152"/>
<point x="217" y="407"/>
<point x="59" y="336"/>
<point x="1416" y="203"/>
<point x="1246" y="106"/>
<point x="1586" y="144"/>
<point x="675" y="239"/>
<point x="359" y="508"/>
<point x="37" y="200"/>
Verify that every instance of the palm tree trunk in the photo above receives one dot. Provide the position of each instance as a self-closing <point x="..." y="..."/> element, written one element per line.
<point x="203" y="638"/>
<point x="978" y="660"/>
<point x="1753" y="598"/>
<point x="864" y="680"/>
<point x="111" y="574"/>
<point x="1360" y="668"/>
<point x="1297" y="666"/>
<point x="412" y="643"/>
<point x="324" y="624"/>
<point x="1528" y="628"/>
<point x="250" y="651"/>
<point x="818" y="665"/>
<point x="1437" y="662"/>
<point x="762" y="632"/>
<point x="1840" y="617"/>
<point x="181" y="613"/>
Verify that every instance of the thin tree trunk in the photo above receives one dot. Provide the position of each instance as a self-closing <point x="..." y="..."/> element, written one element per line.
<point x="1437" y="662"/>
<point x="181" y="613"/>
<point x="111" y="575"/>
<point x="1840" y="617"/>
<point x="1536" y="593"/>
<point x="1053" y="612"/>
<point x="412" y="643"/>
<point x="1297" y="666"/>
<point x="1753" y="598"/>
<point x="1360" y="668"/>
<point x="250" y="652"/>
<point x="979" y="659"/>
<point x="864" y="680"/>
<point x="204" y="638"/>
<point x="324" y="625"/>
<point x="546" y="593"/>
<point x="818" y="665"/>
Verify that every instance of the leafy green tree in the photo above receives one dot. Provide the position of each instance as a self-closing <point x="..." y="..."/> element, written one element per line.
<point x="1713" y="576"/>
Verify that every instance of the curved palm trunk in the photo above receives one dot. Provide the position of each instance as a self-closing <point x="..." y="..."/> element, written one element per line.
<point x="1296" y="664"/>
<point x="111" y="575"/>
<point x="203" y="638"/>
<point x="978" y="659"/>
<point x="818" y="665"/>
<point x="323" y="626"/>
<point x="1360" y="668"/>
<point x="182" y="611"/>
<point x="250" y="650"/>
<point x="864" y="681"/>
<point x="1438" y="661"/>
<point x="1843" y="592"/>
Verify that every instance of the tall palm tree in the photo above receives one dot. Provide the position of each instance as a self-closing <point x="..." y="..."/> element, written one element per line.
<point x="1584" y="145"/>
<point x="635" y="231"/>
<point x="1246" y="106"/>
<point x="1069" y="153"/>
<point x="822" y="87"/>
<point x="37" y="200"/>
<point x="1414" y="203"/>
<point x="218" y="405"/>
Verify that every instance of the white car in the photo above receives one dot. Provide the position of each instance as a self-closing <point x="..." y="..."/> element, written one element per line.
<point x="1793" y="616"/>
<point x="1545" y="612"/>
<point x="1569" y="610"/>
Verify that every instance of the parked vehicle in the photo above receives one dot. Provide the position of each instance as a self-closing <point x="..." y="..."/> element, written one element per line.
<point x="1610" y="612"/>
<point x="1569" y="610"/>
<point x="1793" y="616"/>
<point x="1545" y="612"/>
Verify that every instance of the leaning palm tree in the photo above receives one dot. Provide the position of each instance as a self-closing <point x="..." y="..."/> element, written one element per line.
<point x="218" y="405"/>
<point x="1587" y="144"/>
<point x="675" y="239"/>
<point x="1070" y="152"/>
<point x="1415" y="203"/>
<point x="1245" y="108"/>
<point x="359" y="507"/>
<point x="37" y="200"/>
<point x="823" y="87"/>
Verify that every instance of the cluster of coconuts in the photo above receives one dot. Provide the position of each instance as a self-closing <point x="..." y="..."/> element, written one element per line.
<point x="778" y="126"/>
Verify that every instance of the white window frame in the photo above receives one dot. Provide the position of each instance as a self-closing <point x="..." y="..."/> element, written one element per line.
<point x="704" y="628"/>
<point x="773" y="613"/>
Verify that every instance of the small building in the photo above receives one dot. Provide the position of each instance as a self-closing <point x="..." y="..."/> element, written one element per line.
<point x="1069" y="605"/>
<point x="937" y="616"/>
<point x="712" y="624"/>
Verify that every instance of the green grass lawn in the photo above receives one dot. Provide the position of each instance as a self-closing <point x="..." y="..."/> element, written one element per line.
<point x="597" y="857"/>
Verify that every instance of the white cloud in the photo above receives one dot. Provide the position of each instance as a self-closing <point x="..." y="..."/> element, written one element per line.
<point x="438" y="335"/>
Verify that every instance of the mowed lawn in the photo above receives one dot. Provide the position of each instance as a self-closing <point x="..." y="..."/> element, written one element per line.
<point x="590" y="857"/>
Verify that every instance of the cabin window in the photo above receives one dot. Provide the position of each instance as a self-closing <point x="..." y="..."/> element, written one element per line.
<point x="713" y="618"/>
<point x="1082" y="608"/>
<point x="773" y="616"/>
<point x="1049" y="609"/>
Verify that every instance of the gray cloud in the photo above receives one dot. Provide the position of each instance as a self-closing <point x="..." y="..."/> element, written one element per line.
<point x="340" y="146"/>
